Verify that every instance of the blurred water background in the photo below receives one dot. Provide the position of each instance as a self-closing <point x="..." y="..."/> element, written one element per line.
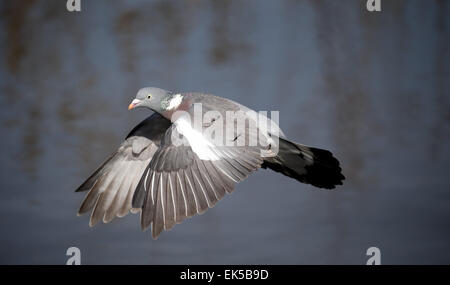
<point x="371" y="87"/>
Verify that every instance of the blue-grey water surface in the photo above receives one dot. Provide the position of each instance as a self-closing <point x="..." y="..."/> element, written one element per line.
<point x="371" y="87"/>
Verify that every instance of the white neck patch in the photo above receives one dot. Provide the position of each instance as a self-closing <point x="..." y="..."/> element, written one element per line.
<point x="175" y="102"/>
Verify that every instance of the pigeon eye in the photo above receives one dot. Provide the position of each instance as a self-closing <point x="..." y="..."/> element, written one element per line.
<point x="149" y="96"/>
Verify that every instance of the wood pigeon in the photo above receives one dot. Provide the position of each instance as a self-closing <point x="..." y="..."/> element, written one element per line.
<point x="170" y="168"/>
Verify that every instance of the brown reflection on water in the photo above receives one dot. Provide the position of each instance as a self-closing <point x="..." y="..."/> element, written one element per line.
<point x="125" y="27"/>
<point x="345" y="68"/>
<point x="341" y="68"/>
<point x="32" y="148"/>
<point x="16" y="13"/>
<point x="441" y="128"/>
<point x="154" y="31"/>
<point x="228" y="31"/>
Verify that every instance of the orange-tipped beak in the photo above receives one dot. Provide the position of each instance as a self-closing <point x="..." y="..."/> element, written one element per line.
<point x="133" y="104"/>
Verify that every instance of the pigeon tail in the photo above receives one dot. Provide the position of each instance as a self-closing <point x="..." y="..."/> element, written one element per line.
<point x="310" y="165"/>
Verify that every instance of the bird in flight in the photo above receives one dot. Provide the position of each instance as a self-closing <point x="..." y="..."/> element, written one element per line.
<point x="170" y="168"/>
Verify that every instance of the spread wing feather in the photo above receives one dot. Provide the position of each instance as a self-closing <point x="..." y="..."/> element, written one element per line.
<point x="111" y="187"/>
<point x="177" y="184"/>
<point x="168" y="181"/>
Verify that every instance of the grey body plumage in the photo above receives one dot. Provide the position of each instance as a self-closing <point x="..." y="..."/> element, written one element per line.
<point x="169" y="182"/>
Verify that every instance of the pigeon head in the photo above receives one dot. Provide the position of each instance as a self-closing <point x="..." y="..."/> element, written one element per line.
<point x="156" y="99"/>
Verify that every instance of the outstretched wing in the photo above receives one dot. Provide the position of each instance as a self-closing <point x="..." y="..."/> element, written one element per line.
<point x="187" y="175"/>
<point x="170" y="172"/>
<point x="111" y="187"/>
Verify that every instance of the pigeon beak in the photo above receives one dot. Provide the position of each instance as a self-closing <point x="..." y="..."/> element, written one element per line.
<point x="133" y="104"/>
